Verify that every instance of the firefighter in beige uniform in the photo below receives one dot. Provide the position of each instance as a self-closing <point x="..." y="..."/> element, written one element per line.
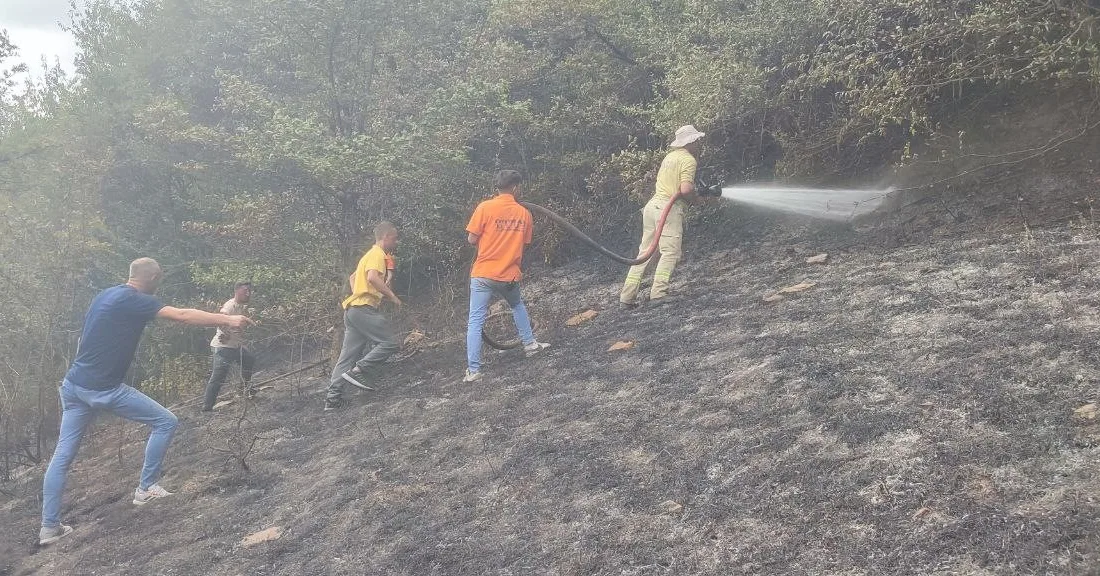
<point x="676" y="178"/>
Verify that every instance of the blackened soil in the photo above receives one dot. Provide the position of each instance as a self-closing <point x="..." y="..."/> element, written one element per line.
<point x="912" y="413"/>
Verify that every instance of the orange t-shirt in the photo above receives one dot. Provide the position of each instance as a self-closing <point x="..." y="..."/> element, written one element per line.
<point x="504" y="227"/>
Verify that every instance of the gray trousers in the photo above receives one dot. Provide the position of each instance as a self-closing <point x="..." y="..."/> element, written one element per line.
<point x="224" y="358"/>
<point x="363" y="325"/>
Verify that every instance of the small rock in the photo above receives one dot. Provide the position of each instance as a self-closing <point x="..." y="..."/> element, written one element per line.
<point x="800" y="287"/>
<point x="581" y="318"/>
<point x="413" y="338"/>
<point x="819" y="259"/>
<point x="621" y="345"/>
<point x="671" y="506"/>
<point x="273" y="533"/>
<point x="1086" y="412"/>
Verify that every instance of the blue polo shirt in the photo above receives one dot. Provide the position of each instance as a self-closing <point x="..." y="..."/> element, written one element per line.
<point x="112" y="329"/>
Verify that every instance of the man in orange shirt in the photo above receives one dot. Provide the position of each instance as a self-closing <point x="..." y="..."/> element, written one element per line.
<point x="500" y="228"/>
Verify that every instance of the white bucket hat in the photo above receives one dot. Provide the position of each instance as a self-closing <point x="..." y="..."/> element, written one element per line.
<point x="686" y="135"/>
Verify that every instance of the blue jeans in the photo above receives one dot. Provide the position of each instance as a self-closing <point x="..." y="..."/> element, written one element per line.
<point x="79" y="407"/>
<point x="481" y="293"/>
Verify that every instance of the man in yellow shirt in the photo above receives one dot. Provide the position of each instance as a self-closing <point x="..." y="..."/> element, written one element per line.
<point x="363" y="320"/>
<point x="676" y="176"/>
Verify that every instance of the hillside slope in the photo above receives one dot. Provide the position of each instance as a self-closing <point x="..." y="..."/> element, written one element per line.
<point x="912" y="413"/>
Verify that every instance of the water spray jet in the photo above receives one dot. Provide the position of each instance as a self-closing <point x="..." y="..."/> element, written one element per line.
<point x="825" y="203"/>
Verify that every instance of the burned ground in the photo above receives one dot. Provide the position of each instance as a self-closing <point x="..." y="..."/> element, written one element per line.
<point x="912" y="413"/>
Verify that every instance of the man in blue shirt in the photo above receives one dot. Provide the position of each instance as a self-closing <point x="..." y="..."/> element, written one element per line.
<point x="112" y="329"/>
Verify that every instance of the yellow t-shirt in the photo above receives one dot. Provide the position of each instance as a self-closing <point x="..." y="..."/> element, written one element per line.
<point x="677" y="167"/>
<point x="362" y="293"/>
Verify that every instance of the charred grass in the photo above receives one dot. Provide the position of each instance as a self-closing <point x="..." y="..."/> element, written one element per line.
<point x="910" y="414"/>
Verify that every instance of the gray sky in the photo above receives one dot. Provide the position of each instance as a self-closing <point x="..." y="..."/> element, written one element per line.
<point x="34" y="27"/>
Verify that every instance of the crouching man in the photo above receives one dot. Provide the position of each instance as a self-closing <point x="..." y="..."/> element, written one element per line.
<point x="108" y="342"/>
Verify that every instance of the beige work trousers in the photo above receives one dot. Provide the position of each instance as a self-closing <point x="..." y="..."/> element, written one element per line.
<point x="669" y="250"/>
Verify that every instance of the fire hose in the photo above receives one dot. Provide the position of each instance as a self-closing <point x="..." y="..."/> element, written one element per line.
<point x="701" y="188"/>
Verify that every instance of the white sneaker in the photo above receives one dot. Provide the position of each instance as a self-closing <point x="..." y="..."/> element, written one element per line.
<point x="534" y="348"/>
<point x="148" y="495"/>
<point x="357" y="379"/>
<point x="472" y="376"/>
<point x="51" y="535"/>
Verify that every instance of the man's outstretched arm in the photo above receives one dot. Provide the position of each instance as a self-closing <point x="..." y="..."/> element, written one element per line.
<point x="200" y="318"/>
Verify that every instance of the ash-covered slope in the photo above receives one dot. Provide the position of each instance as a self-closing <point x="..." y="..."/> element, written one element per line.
<point x="911" y="413"/>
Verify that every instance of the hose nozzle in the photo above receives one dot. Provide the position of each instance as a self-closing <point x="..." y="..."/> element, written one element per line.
<point x="705" y="187"/>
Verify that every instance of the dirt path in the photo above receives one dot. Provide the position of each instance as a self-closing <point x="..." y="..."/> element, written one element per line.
<point x="909" y="414"/>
